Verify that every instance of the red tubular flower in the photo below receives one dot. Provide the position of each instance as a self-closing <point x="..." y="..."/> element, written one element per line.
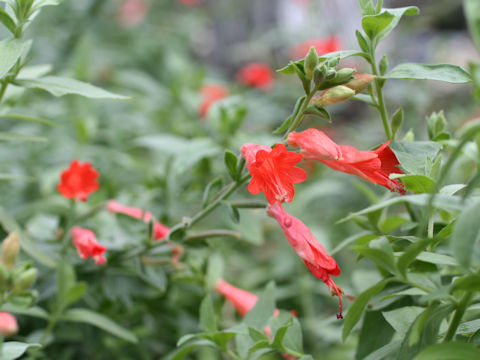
<point x="210" y="94"/>
<point x="273" y="171"/>
<point x="242" y="300"/>
<point x="8" y="324"/>
<point x="374" y="166"/>
<point x="308" y="248"/>
<point x="257" y="75"/>
<point x="322" y="46"/>
<point x="78" y="181"/>
<point x="87" y="245"/>
<point x="132" y="12"/>
<point x="160" y="231"/>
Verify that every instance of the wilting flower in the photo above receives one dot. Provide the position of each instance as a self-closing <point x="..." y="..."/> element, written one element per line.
<point x="87" y="245"/>
<point x="132" y="12"/>
<point x="374" y="166"/>
<point x="257" y="75"/>
<point x="78" y="181"/>
<point x="211" y="93"/>
<point x="8" y="324"/>
<point x="160" y="231"/>
<point x="322" y="46"/>
<point x="273" y="171"/>
<point x="308" y="248"/>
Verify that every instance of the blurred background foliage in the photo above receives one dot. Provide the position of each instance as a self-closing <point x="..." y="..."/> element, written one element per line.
<point x="156" y="152"/>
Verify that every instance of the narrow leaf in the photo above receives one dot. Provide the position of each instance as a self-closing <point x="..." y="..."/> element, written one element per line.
<point x="441" y="72"/>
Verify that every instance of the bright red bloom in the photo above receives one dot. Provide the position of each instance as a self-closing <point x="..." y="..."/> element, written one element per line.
<point x="273" y="171"/>
<point x="308" y="248"/>
<point x="322" y="46"/>
<point x="78" y="181"/>
<point x="257" y="75"/>
<point x="132" y="12"/>
<point x="160" y="231"/>
<point x="87" y="245"/>
<point x="374" y="166"/>
<point x="242" y="300"/>
<point x="8" y="324"/>
<point x="211" y="93"/>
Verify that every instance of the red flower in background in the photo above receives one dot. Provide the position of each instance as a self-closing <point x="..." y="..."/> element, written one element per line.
<point x="242" y="300"/>
<point x="273" y="171"/>
<point x="160" y="230"/>
<point x="308" y="248"/>
<point x="132" y="12"/>
<point x="211" y="93"/>
<point x="189" y="2"/>
<point x="257" y="75"/>
<point x="322" y="46"/>
<point x="78" y="181"/>
<point x="8" y="324"/>
<point x="87" y="245"/>
<point x="374" y="166"/>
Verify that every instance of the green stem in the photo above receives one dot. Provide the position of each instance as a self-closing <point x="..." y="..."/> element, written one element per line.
<point x="378" y="88"/>
<point x="458" y="315"/>
<point x="299" y="117"/>
<point x="232" y="354"/>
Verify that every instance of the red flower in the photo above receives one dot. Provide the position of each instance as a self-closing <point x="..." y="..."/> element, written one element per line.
<point x="308" y="248"/>
<point x="322" y="46"/>
<point x="78" y="181"/>
<point x="210" y="94"/>
<point x="273" y="171"/>
<point x="189" y="2"/>
<point x="374" y="166"/>
<point x="160" y="231"/>
<point x="242" y="300"/>
<point x="8" y="324"/>
<point x="132" y="12"/>
<point x="257" y="75"/>
<point x="87" y="245"/>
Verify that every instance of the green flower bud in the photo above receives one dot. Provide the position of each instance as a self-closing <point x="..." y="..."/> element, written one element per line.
<point x="311" y="61"/>
<point x="360" y="82"/>
<point x="330" y="75"/>
<point x="332" y="63"/>
<point x="23" y="282"/>
<point x="10" y="250"/>
<point x="333" y="96"/>
<point x="319" y="74"/>
<point x="344" y="75"/>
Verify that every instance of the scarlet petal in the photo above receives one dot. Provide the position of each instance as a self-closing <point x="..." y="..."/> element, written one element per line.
<point x="257" y="75"/>
<point x="87" y="245"/>
<point x="78" y="181"/>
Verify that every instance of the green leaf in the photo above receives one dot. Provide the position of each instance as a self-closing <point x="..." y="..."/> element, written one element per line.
<point x="440" y="72"/>
<point x="291" y="68"/>
<point x="355" y="311"/>
<point x="362" y="42"/>
<point x="292" y="339"/>
<point x="34" y="311"/>
<point x="418" y="184"/>
<point x="215" y="183"/>
<point x="413" y="155"/>
<point x="214" y="270"/>
<point x="207" y="315"/>
<point x="28" y="118"/>
<point x="437" y="259"/>
<point x="397" y="15"/>
<point x="14" y="349"/>
<point x="6" y="20"/>
<point x="375" y="333"/>
<point x="443" y="202"/>
<point x="449" y="351"/>
<point x="10" y="51"/>
<point x="471" y="9"/>
<point x="60" y="86"/>
<point x="467" y="283"/>
<point x="384" y="351"/>
<point x="263" y="310"/>
<point x="364" y="98"/>
<point x="375" y="24"/>
<point x="231" y="163"/>
<point x="410" y="254"/>
<point x="180" y="353"/>
<point x="466" y="233"/>
<point x="317" y="111"/>
<point x="400" y="319"/>
<point x="92" y="318"/>
<point x="366" y="7"/>
<point x="468" y="327"/>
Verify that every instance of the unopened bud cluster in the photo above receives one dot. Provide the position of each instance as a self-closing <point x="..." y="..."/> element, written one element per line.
<point x="338" y="85"/>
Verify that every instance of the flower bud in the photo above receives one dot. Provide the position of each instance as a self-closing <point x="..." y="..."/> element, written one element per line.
<point x="333" y="62"/>
<point x="344" y="75"/>
<point x="319" y="74"/>
<point x="330" y="75"/>
<point x="311" y="61"/>
<point x="10" y="250"/>
<point x="8" y="324"/>
<point x="23" y="282"/>
<point x="333" y="96"/>
<point x="360" y="82"/>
